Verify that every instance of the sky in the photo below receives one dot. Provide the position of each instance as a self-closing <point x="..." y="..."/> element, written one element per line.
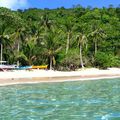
<point x="24" y="4"/>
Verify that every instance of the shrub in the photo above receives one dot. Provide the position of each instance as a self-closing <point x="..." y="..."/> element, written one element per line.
<point x="104" y="60"/>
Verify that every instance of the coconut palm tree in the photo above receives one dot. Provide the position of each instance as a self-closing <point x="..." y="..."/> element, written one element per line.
<point x="19" y="38"/>
<point x="4" y="41"/>
<point x="82" y="40"/>
<point x="67" y="28"/>
<point x="46" y="23"/>
<point x="97" y="35"/>
<point x="51" y="46"/>
<point x="30" y="49"/>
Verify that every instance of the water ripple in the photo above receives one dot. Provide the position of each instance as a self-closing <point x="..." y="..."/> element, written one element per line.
<point x="88" y="100"/>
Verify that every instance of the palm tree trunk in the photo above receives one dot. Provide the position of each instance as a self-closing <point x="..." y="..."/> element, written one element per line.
<point x="51" y="62"/>
<point x="81" y="60"/>
<point x="68" y="42"/>
<point x="1" y="53"/>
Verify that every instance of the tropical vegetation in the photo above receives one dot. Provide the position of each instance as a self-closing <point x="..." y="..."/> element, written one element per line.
<point x="61" y="38"/>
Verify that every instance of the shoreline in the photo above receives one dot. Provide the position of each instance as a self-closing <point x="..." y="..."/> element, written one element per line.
<point x="43" y="76"/>
<point x="21" y="81"/>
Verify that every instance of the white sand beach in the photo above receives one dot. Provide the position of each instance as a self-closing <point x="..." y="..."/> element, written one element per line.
<point x="36" y="76"/>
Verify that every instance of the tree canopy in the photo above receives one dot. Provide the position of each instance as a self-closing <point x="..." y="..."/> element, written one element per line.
<point x="61" y="37"/>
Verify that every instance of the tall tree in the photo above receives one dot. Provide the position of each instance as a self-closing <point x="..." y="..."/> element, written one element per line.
<point x="19" y="38"/>
<point x="82" y="41"/>
<point x="51" y="46"/>
<point x="67" y="27"/>
<point x="4" y="41"/>
<point x="97" y="35"/>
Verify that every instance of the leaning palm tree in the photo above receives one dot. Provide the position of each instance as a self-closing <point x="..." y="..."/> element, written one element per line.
<point x="82" y="40"/>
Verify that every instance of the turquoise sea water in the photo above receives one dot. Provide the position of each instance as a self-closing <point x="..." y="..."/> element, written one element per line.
<point x="85" y="100"/>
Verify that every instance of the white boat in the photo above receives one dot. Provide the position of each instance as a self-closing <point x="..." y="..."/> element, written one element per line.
<point x="3" y="65"/>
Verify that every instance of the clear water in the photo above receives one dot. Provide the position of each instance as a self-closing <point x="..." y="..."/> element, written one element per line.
<point x="85" y="100"/>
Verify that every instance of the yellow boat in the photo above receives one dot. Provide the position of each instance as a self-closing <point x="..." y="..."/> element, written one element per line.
<point x="40" y="67"/>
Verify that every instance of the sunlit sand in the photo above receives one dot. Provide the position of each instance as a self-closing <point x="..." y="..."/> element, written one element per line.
<point x="36" y="76"/>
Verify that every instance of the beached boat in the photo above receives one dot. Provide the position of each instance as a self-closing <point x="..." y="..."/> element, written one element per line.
<point x="32" y="67"/>
<point x="8" y="66"/>
<point x="5" y="66"/>
<point x="24" y="67"/>
<point x="40" y="67"/>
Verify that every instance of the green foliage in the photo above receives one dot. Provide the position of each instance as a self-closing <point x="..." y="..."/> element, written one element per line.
<point x="22" y="59"/>
<point x="104" y="60"/>
<point x="72" y="58"/>
<point x="59" y="37"/>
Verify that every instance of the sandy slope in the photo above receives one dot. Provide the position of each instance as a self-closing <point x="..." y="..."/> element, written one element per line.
<point x="16" y="77"/>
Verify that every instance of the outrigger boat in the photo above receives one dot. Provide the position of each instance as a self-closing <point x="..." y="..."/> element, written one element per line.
<point x="32" y="67"/>
<point x="5" y="66"/>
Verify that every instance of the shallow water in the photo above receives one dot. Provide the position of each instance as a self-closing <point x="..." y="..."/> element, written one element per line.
<point x="84" y="100"/>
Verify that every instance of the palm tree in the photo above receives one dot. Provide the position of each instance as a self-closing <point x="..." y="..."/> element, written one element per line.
<point x="68" y="28"/>
<point x="97" y="35"/>
<point x="51" y="46"/>
<point x="19" y="36"/>
<point x="30" y="49"/>
<point x="4" y="41"/>
<point x="46" y="23"/>
<point x="81" y="39"/>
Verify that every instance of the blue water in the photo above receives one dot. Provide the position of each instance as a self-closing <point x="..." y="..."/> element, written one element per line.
<point x="85" y="100"/>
